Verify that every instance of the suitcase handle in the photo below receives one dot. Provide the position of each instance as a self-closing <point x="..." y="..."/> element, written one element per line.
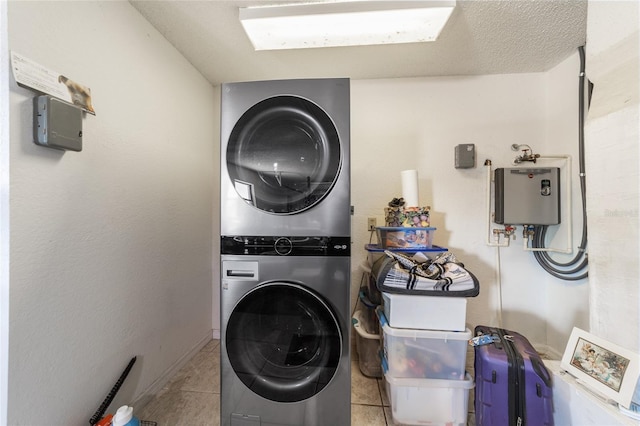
<point x="541" y="371"/>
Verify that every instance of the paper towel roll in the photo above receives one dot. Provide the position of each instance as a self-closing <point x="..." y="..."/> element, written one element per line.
<point x="410" y="188"/>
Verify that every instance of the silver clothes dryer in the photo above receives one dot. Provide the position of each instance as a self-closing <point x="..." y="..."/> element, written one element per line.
<point x="285" y="339"/>
<point x="285" y="158"/>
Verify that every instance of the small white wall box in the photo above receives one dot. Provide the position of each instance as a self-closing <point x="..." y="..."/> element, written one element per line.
<point x="57" y="124"/>
<point x="527" y="196"/>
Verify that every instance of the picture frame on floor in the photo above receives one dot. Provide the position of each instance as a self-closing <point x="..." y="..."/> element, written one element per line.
<point x="606" y="368"/>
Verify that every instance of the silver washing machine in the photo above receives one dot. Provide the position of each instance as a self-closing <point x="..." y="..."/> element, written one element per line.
<point x="285" y="158"/>
<point x="285" y="319"/>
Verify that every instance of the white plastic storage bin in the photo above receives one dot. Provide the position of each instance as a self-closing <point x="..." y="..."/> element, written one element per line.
<point x="429" y="401"/>
<point x="424" y="353"/>
<point x="368" y="346"/>
<point x="425" y="312"/>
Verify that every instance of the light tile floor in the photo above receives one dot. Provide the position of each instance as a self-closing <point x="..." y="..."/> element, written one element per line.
<point x="192" y="396"/>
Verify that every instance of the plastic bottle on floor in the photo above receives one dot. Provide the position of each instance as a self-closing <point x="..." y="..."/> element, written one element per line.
<point x="124" y="417"/>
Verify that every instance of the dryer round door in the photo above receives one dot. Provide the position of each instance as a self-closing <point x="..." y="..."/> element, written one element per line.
<point x="283" y="155"/>
<point x="283" y="342"/>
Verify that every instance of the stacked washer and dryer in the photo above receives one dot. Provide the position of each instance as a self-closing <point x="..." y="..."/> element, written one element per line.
<point x="285" y="253"/>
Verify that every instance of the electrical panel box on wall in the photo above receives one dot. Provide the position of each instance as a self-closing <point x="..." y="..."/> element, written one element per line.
<point x="56" y="123"/>
<point x="465" y="156"/>
<point x="527" y="196"/>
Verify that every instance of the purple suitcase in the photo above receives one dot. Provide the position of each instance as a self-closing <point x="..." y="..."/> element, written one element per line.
<point x="513" y="386"/>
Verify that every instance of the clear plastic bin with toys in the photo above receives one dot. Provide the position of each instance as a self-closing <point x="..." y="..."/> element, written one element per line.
<point x="431" y="354"/>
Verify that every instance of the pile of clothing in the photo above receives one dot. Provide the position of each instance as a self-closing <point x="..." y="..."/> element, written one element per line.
<point x="443" y="275"/>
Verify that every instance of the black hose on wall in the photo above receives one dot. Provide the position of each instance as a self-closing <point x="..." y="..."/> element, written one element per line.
<point x="555" y="268"/>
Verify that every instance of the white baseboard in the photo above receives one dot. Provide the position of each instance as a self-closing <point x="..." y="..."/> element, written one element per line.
<point x="216" y="334"/>
<point x="152" y="390"/>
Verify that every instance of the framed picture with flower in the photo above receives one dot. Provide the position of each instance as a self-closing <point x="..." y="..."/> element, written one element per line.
<point x="606" y="368"/>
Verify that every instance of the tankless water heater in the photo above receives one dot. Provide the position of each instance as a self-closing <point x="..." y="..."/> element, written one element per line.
<point x="527" y="196"/>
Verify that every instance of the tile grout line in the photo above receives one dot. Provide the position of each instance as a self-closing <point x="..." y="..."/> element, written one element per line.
<point x="198" y="391"/>
<point x="384" y="414"/>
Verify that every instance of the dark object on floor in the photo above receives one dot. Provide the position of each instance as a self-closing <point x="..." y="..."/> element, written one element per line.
<point x="513" y="386"/>
<point x="114" y="390"/>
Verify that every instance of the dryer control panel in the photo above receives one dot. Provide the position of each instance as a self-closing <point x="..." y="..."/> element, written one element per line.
<point x="285" y="246"/>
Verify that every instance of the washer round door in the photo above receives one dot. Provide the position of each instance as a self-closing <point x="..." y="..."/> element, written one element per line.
<point x="283" y="342"/>
<point x="283" y="155"/>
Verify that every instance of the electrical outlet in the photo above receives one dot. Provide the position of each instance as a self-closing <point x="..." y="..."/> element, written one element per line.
<point x="371" y="224"/>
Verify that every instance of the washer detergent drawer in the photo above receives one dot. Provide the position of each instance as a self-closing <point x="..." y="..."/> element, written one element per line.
<point x="240" y="270"/>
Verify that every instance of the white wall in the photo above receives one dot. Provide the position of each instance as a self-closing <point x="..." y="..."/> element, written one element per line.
<point x="613" y="48"/>
<point x="415" y="124"/>
<point x="110" y="247"/>
<point x="4" y="212"/>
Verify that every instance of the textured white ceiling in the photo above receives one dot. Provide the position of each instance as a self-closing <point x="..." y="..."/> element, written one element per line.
<point x="482" y="37"/>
